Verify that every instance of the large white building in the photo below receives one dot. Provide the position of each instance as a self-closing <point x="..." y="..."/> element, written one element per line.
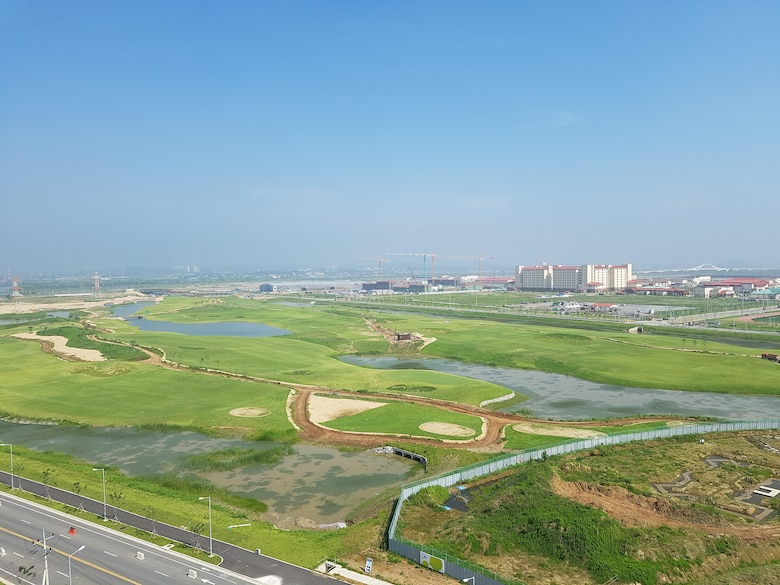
<point x="587" y="277"/>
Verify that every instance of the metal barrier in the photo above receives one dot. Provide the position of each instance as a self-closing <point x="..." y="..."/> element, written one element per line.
<point x="461" y="570"/>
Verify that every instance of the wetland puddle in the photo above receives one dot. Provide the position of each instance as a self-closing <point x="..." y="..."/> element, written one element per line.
<point x="559" y="397"/>
<point x="319" y="484"/>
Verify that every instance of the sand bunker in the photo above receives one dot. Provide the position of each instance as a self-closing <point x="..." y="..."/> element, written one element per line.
<point x="554" y="431"/>
<point x="250" y="412"/>
<point x="58" y="346"/>
<point x="449" y="429"/>
<point x="323" y="409"/>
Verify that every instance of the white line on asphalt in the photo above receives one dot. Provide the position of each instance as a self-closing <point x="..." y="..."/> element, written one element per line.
<point x="25" y="521"/>
<point x="163" y="574"/>
<point x="109" y="553"/>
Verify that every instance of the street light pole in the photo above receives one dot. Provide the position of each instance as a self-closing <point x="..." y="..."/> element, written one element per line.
<point x="471" y="579"/>
<point x="45" y="580"/>
<point x="11" y="448"/>
<point x="211" y="540"/>
<point x="102" y="470"/>
<point x="70" y="556"/>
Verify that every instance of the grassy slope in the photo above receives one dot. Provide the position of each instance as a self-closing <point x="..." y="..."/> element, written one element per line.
<point x="519" y="514"/>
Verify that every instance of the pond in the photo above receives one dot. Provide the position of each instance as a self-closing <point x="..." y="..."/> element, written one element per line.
<point x="560" y="397"/>
<point x="320" y="484"/>
<point x="221" y="328"/>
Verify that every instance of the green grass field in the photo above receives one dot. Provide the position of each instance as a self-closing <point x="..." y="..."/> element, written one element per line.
<point x="125" y="391"/>
<point x="40" y="386"/>
<point x="405" y="419"/>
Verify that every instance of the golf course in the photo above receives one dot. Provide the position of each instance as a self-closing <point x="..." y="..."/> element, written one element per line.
<point x="92" y="369"/>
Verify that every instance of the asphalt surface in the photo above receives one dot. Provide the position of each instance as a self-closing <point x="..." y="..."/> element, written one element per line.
<point x="234" y="558"/>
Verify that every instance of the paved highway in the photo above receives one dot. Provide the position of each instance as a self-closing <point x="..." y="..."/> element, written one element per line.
<point x="112" y="558"/>
<point x="107" y="556"/>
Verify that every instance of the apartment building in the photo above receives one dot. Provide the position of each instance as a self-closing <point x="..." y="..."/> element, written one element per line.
<point x="587" y="277"/>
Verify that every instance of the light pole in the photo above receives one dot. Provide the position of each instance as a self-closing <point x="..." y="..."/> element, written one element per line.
<point x="102" y="470"/>
<point x="467" y="579"/>
<point x="211" y="540"/>
<point x="70" y="556"/>
<point x="11" y="448"/>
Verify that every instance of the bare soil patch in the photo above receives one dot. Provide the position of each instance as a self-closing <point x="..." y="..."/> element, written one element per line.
<point x="324" y="408"/>
<point x="250" y="412"/>
<point x="637" y="510"/>
<point x="555" y="431"/>
<point x="85" y="303"/>
<point x="450" y="429"/>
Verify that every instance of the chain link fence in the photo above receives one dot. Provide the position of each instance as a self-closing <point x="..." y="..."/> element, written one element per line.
<point x="463" y="571"/>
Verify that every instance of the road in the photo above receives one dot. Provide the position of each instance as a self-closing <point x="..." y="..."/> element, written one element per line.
<point x="111" y="557"/>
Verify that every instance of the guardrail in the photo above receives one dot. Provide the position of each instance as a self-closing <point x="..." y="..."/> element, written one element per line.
<point x="461" y="570"/>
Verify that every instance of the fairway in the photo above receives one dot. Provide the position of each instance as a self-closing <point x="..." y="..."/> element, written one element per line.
<point x="410" y="420"/>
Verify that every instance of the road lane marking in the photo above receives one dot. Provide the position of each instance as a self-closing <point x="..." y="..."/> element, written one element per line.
<point x="109" y="553"/>
<point x="76" y="559"/>
<point x="163" y="574"/>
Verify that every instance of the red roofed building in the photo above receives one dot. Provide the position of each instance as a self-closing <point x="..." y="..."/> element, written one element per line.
<point x="730" y="286"/>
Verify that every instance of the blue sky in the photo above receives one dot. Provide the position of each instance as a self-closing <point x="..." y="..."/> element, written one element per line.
<point x="262" y="135"/>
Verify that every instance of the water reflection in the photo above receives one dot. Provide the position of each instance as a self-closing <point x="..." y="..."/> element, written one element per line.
<point x="320" y="484"/>
<point x="555" y="396"/>
<point x="221" y="328"/>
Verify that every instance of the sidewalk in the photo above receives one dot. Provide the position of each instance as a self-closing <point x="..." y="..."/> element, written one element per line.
<point x="352" y="576"/>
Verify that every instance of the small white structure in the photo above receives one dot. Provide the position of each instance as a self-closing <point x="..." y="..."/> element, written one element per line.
<point x="766" y="491"/>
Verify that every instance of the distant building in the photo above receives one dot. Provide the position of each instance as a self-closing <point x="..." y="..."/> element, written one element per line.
<point x="768" y="294"/>
<point x="267" y="288"/>
<point x="730" y="286"/>
<point x="380" y="285"/>
<point x="584" y="278"/>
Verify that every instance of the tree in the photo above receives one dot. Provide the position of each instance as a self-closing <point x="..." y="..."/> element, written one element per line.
<point x="48" y="478"/>
<point x="197" y="530"/>
<point x="28" y="571"/>
<point x="116" y="498"/>
<point x="77" y="489"/>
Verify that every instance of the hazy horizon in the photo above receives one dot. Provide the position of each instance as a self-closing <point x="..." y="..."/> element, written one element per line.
<point x="265" y="136"/>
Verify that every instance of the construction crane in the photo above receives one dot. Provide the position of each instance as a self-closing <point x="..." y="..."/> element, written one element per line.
<point x="425" y="256"/>
<point x="380" y="260"/>
<point x="480" y="258"/>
